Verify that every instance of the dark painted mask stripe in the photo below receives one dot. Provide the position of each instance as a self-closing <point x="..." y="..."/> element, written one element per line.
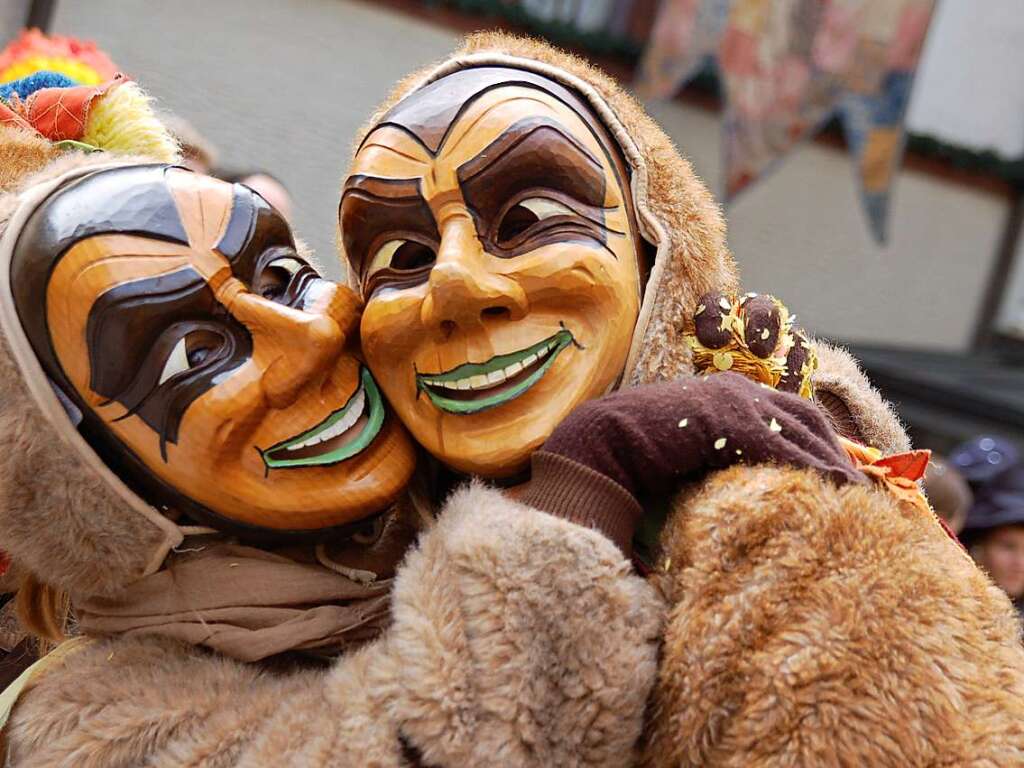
<point x="253" y="229"/>
<point x="131" y="331"/>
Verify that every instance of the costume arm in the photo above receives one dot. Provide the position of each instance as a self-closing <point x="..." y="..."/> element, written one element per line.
<point x="519" y="639"/>
<point x="523" y="639"/>
<point x="816" y="625"/>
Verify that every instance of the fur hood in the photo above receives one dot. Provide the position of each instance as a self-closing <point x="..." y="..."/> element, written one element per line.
<point x="680" y="221"/>
<point x="98" y="534"/>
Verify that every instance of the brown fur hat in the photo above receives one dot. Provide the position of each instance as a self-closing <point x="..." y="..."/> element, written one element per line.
<point x="64" y="516"/>
<point x="677" y="216"/>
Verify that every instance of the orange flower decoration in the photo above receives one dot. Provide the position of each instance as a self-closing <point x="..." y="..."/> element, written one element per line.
<point x="899" y="474"/>
<point x="57" y="114"/>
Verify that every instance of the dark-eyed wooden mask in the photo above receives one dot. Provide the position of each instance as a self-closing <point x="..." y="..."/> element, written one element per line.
<point x="488" y="217"/>
<point x="210" y="361"/>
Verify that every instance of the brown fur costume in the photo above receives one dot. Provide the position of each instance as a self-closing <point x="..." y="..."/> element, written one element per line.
<point x="516" y="638"/>
<point x="820" y="627"/>
<point x="809" y="626"/>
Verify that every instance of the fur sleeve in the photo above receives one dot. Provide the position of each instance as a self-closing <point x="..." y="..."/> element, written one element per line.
<point x="518" y="640"/>
<point x="817" y="626"/>
<point x="523" y="640"/>
<point x="855" y="407"/>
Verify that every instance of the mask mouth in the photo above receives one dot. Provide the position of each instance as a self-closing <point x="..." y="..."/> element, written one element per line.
<point x="347" y="432"/>
<point x="474" y="387"/>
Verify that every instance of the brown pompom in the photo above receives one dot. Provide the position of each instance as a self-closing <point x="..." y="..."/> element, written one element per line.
<point x="762" y="324"/>
<point x="707" y="320"/>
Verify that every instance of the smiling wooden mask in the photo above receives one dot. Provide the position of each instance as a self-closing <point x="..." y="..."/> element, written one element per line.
<point x="489" y="220"/>
<point x="208" y="359"/>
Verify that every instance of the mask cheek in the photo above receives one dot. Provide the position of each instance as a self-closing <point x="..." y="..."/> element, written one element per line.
<point x="226" y="421"/>
<point x="582" y="281"/>
<point x="390" y="332"/>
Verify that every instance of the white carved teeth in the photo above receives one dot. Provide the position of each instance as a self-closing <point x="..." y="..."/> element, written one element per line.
<point x="494" y="378"/>
<point x="339" y="427"/>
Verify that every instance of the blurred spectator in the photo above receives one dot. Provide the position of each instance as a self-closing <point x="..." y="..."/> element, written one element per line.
<point x="982" y="458"/>
<point x="270" y="188"/>
<point x="994" y="533"/>
<point x="948" y="493"/>
<point x="197" y="153"/>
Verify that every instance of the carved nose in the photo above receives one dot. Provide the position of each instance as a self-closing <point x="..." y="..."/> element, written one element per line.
<point x="297" y="347"/>
<point x="464" y="290"/>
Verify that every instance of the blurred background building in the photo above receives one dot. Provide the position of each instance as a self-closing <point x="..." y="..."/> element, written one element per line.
<point x="936" y="313"/>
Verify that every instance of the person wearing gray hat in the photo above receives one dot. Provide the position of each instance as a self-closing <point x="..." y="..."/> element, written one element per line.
<point x="994" y="533"/>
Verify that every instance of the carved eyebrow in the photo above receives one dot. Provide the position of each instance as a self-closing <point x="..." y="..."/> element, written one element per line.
<point x="131" y="330"/>
<point x="371" y="205"/>
<point x="513" y="136"/>
<point x="376" y="186"/>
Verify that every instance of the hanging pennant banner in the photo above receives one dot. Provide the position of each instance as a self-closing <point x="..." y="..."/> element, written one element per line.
<point x="685" y="35"/>
<point x="787" y="67"/>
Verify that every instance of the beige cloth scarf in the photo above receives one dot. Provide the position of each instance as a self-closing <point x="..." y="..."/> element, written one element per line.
<point x="245" y="603"/>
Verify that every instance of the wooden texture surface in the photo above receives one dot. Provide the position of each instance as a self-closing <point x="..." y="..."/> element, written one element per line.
<point x="296" y="376"/>
<point x="519" y="299"/>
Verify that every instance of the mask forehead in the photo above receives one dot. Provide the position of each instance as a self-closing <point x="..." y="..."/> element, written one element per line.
<point x="391" y="152"/>
<point x="429" y="114"/>
<point x="204" y="206"/>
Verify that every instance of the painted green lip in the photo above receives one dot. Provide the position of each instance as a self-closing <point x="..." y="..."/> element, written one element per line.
<point x="366" y="400"/>
<point x="458" y="378"/>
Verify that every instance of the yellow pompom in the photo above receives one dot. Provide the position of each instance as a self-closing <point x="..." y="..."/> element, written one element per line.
<point x="122" y="120"/>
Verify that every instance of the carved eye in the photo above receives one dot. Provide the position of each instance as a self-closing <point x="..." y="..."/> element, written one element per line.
<point x="401" y="255"/>
<point x="528" y="212"/>
<point x="192" y="350"/>
<point x="276" y="276"/>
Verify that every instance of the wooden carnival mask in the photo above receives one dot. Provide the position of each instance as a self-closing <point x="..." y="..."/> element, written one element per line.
<point x="489" y="220"/>
<point x="209" y="360"/>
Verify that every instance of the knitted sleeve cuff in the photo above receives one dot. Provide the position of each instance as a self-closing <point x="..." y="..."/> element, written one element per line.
<point x="574" y="492"/>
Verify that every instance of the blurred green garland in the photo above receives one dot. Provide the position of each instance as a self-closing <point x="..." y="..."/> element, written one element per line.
<point x="604" y="43"/>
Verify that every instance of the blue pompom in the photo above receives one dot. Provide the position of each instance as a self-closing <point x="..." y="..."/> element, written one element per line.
<point x="26" y="86"/>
